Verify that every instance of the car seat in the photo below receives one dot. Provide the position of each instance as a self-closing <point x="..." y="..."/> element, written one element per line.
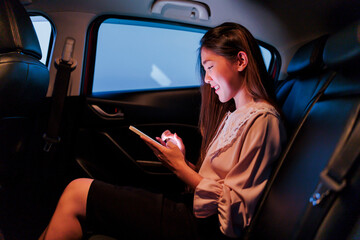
<point x="23" y="84"/>
<point x="281" y="214"/>
<point x="307" y="80"/>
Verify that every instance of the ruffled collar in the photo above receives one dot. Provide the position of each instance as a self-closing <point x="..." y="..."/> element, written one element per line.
<point x="229" y="129"/>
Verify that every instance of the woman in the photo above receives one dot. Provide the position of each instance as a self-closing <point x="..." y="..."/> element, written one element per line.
<point x="242" y="136"/>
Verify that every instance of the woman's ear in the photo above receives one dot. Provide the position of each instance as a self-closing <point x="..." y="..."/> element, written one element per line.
<point x="242" y="60"/>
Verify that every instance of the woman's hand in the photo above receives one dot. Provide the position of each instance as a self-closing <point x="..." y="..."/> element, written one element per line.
<point x="174" y="138"/>
<point x="172" y="155"/>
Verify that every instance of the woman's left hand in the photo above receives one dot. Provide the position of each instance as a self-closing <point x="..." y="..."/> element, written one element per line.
<point x="169" y="154"/>
<point x="172" y="154"/>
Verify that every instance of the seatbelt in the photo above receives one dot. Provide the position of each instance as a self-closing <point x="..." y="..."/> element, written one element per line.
<point x="332" y="178"/>
<point x="64" y="67"/>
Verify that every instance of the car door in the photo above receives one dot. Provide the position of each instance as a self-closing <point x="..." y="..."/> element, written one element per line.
<point x="134" y="76"/>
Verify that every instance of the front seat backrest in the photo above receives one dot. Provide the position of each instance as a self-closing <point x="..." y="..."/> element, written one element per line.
<point x="23" y="82"/>
<point x="23" y="78"/>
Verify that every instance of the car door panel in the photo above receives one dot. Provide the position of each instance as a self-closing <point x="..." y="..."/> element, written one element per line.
<point x="108" y="150"/>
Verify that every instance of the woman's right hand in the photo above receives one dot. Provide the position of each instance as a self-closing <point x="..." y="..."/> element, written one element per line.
<point x="172" y="155"/>
<point x="167" y="136"/>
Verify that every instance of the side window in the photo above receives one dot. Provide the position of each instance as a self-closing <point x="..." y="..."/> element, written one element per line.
<point x="266" y="56"/>
<point x="43" y="30"/>
<point x="271" y="58"/>
<point x="135" y="55"/>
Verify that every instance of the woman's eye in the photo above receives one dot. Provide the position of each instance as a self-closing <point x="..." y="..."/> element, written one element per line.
<point x="210" y="67"/>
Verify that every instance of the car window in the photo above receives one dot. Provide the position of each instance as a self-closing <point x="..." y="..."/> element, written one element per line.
<point x="266" y="55"/>
<point x="135" y="55"/>
<point x="43" y="29"/>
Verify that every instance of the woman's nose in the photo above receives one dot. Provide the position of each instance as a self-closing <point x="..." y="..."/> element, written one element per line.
<point x="207" y="78"/>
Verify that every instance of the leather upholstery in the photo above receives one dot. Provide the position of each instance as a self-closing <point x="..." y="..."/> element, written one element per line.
<point x="307" y="78"/>
<point x="308" y="152"/>
<point x="307" y="58"/>
<point x="345" y="59"/>
<point x="336" y="53"/>
<point x="23" y="85"/>
<point x="23" y="78"/>
<point x="23" y="82"/>
<point x="17" y="31"/>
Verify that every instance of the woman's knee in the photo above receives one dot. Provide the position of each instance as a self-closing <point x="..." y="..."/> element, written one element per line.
<point x="74" y="197"/>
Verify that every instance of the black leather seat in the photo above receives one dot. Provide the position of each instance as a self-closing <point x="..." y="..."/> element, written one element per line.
<point x="306" y="82"/>
<point x="287" y="196"/>
<point x="23" y="84"/>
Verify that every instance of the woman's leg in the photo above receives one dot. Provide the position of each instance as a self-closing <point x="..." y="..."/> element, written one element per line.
<point x="71" y="209"/>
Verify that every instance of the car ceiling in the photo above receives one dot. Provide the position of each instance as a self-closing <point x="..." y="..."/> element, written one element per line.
<point x="281" y="23"/>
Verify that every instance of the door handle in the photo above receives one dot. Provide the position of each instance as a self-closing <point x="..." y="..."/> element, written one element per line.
<point x="99" y="111"/>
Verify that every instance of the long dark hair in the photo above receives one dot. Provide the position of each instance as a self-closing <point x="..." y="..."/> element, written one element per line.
<point x="227" y="40"/>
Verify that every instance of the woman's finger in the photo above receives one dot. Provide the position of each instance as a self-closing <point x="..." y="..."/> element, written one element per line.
<point x="166" y="133"/>
<point x="161" y="141"/>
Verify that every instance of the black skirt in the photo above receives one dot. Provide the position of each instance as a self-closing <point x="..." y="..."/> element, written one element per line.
<point x="133" y="213"/>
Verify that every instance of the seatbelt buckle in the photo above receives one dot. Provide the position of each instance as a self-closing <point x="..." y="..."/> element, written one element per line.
<point x="49" y="141"/>
<point x="324" y="187"/>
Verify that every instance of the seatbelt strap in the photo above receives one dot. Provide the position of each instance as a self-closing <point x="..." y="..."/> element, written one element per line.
<point x="332" y="178"/>
<point x="64" y="66"/>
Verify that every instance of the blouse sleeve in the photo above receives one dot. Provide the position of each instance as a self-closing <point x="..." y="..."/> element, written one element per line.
<point x="234" y="198"/>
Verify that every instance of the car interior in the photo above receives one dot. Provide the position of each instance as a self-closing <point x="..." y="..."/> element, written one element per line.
<point x="66" y="108"/>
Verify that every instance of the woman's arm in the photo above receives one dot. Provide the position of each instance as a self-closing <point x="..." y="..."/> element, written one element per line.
<point x="174" y="159"/>
<point x="234" y="197"/>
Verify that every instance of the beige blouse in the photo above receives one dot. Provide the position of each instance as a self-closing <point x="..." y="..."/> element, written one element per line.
<point x="237" y="166"/>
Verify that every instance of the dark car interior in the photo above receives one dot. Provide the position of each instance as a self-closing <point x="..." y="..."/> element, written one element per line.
<point x="321" y="122"/>
<point x="314" y="190"/>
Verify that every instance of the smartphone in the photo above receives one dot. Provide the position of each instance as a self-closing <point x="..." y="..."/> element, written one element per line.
<point x="140" y="133"/>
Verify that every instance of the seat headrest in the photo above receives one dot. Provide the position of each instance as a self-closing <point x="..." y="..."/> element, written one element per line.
<point x="343" y="47"/>
<point x="17" y="31"/>
<point x="308" y="57"/>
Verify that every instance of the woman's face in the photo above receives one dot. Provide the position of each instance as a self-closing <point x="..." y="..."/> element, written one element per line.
<point x="222" y="75"/>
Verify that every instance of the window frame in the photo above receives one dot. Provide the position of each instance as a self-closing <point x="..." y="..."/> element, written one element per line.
<point x="52" y="35"/>
<point x="91" y="44"/>
<point x="275" y="62"/>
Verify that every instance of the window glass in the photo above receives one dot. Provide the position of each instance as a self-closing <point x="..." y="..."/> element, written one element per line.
<point x="267" y="56"/>
<point x="43" y="30"/>
<point x="134" y="55"/>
